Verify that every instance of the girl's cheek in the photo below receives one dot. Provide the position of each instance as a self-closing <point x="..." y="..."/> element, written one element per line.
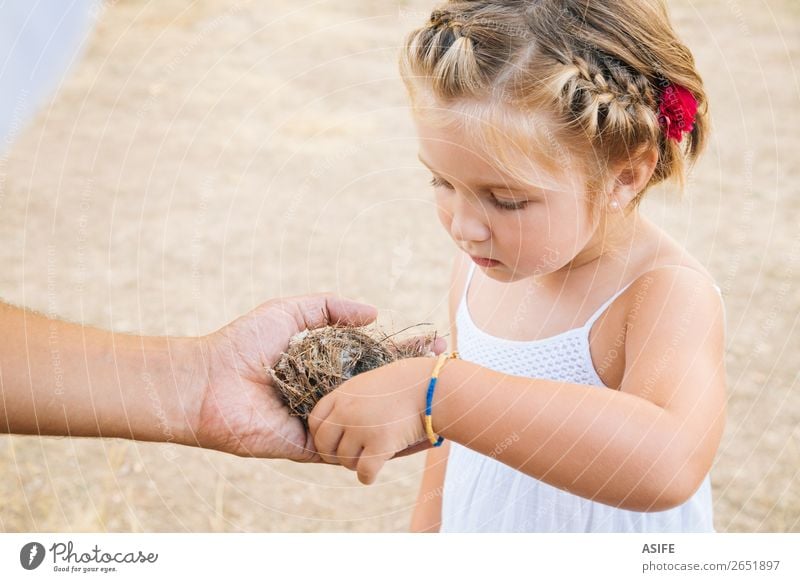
<point x="444" y="214"/>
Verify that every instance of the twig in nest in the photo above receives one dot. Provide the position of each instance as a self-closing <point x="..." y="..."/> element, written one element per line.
<point x="317" y="361"/>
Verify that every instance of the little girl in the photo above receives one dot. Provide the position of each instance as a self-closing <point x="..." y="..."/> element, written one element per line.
<point x="590" y="390"/>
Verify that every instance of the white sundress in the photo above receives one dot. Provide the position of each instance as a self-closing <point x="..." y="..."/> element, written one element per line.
<point x="482" y="494"/>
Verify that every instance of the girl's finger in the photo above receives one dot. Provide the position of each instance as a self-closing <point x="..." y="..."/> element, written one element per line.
<point x="439" y="345"/>
<point x="327" y="440"/>
<point x="370" y="463"/>
<point x="423" y="445"/>
<point x="349" y="450"/>
<point x="320" y="412"/>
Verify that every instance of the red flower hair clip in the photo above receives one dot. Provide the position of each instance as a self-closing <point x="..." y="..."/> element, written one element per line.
<point x="676" y="111"/>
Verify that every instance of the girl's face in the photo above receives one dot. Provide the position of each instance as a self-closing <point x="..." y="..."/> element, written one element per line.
<point x="511" y="230"/>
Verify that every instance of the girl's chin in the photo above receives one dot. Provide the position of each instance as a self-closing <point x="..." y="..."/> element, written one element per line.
<point x="504" y="274"/>
<point x="501" y="273"/>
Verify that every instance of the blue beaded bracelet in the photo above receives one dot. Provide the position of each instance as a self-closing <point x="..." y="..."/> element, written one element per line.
<point x="435" y="439"/>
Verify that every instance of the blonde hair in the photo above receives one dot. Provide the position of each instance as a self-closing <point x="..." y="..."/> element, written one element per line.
<point x="591" y="69"/>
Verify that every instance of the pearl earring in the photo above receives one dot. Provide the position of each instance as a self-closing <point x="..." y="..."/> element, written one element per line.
<point x="614" y="204"/>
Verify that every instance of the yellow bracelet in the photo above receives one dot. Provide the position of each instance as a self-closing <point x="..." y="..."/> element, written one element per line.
<point x="435" y="439"/>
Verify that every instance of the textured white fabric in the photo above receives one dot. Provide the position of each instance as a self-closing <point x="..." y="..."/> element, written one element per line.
<point x="483" y="495"/>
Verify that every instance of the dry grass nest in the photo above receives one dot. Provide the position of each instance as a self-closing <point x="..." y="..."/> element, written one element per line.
<point x="317" y="361"/>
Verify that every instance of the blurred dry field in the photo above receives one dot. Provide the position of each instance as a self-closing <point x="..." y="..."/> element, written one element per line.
<point x="206" y="156"/>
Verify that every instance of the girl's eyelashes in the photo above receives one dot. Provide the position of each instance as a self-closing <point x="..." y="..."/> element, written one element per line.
<point x="437" y="182"/>
<point x="509" y="205"/>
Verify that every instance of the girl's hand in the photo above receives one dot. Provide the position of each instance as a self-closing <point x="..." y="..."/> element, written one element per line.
<point x="373" y="416"/>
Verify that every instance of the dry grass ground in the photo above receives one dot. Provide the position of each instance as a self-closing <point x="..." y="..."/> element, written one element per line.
<point x="204" y="157"/>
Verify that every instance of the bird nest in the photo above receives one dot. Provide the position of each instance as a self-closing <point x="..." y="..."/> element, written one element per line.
<point x="317" y="361"/>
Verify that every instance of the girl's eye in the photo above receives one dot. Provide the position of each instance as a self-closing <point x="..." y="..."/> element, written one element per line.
<point x="436" y="182"/>
<point x="508" y="205"/>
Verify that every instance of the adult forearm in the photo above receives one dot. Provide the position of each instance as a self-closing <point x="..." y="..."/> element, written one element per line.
<point x="609" y="446"/>
<point x="59" y="378"/>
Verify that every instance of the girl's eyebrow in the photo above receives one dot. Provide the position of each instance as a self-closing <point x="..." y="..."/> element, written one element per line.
<point x="427" y="165"/>
<point x="506" y="186"/>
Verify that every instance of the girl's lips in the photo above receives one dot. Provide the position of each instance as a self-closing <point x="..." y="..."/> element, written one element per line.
<point x="483" y="262"/>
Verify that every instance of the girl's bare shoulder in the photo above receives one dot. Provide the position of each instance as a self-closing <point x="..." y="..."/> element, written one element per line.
<point x="669" y="282"/>
<point x="667" y="256"/>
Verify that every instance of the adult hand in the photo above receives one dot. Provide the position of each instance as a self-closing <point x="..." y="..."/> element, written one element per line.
<point x="239" y="410"/>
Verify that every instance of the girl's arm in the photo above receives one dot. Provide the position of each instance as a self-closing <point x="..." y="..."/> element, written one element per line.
<point x="645" y="447"/>
<point x="427" y="515"/>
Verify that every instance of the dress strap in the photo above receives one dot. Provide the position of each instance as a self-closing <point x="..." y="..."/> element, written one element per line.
<point x="467" y="282"/>
<point x="605" y="305"/>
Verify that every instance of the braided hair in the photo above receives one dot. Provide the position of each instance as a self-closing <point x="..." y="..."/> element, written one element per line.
<point x="594" y="68"/>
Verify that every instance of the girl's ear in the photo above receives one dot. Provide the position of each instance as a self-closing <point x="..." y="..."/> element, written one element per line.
<point x="631" y="176"/>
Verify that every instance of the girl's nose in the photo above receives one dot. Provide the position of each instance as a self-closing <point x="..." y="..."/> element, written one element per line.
<point x="469" y="223"/>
